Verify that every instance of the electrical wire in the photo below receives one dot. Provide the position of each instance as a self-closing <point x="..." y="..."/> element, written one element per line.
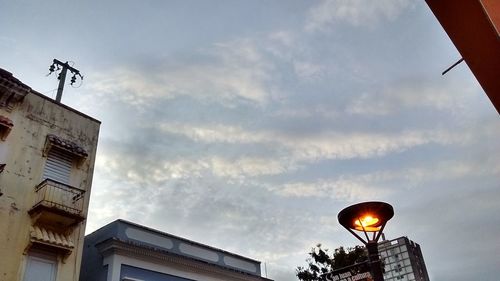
<point x="51" y="92"/>
<point x="81" y="83"/>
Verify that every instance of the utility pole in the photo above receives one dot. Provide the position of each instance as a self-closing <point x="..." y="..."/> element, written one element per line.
<point x="64" y="67"/>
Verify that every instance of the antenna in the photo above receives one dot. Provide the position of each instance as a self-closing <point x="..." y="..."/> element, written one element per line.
<point x="62" y="76"/>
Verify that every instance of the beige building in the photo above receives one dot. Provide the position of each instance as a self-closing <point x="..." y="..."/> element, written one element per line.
<point x="47" y="154"/>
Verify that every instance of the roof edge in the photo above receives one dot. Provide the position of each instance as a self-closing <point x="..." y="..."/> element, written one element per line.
<point x="182" y="239"/>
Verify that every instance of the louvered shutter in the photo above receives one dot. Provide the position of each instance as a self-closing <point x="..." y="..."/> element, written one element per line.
<point x="39" y="268"/>
<point x="58" y="166"/>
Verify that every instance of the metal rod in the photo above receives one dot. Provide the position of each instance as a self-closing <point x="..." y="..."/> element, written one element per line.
<point x="364" y="230"/>
<point x="380" y="232"/>
<point x="356" y="235"/>
<point x="451" y="67"/>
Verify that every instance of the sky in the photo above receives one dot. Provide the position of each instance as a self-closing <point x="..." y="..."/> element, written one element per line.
<point x="248" y="125"/>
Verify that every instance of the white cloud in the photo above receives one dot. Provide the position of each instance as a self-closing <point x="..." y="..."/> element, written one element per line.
<point x="449" y="170"/>
<point x="284" y="38"/>
<point x="231" y="72"/>
<point x="248" y="166"/>
<point x="349" y="190"/>
<point x="354" y="12"/>
<point x="324" y="145"/>
<point x="333" y="145"/>
<point x="216" y="133"/>
<point x="381" y="184"/>
<point x="307" y="70"/>
<point x="154" y="172"/>
<point x="397" y="98"/>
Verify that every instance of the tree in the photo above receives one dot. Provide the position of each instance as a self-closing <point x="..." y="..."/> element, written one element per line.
<point x="321" y="262"/>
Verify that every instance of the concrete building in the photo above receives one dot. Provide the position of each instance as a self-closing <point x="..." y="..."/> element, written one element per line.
<point x="47" y="154"/>
<point x="403" y="260"/>
<point x="124" y="251"/>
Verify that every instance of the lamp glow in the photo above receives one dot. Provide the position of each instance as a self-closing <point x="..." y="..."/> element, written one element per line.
<point x="367" y="223"/>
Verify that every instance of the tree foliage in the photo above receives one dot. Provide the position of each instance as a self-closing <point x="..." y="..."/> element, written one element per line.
<point x="320" y="261"/>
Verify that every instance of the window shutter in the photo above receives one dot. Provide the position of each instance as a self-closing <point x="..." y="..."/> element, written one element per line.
<point x="58" y="166"/>
<point x="39" y="268"/>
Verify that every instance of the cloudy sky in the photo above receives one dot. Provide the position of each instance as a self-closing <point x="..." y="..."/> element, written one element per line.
<point x="248" y="125"/>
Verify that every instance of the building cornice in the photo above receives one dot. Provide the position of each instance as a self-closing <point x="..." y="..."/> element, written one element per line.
<point x="115" y="246"/>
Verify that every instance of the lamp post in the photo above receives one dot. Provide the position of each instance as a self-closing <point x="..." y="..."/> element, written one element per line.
<point x="369" y="218"/>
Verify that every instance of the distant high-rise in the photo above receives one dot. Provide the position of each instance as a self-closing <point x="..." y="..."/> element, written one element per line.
<point x="403" y="260"/>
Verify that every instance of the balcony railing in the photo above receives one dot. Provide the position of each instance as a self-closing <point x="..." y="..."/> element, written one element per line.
<point x="59" y="196"/>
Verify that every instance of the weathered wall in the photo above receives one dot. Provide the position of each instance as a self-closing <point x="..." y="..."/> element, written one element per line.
<point x="22" y="151"/>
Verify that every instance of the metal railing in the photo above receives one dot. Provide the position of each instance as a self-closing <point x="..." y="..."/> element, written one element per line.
<point x="54" y="194"/>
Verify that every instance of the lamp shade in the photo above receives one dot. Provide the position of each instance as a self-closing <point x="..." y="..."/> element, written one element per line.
<point x="366" y="216"/>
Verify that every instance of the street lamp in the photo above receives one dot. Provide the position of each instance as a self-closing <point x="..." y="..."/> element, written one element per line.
<point x="370" y="218"/>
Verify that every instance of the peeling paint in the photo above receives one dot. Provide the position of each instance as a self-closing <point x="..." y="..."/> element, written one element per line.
<point x="13" y="208"/>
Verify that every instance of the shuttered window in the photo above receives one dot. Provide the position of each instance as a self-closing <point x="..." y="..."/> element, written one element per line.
<point x="58" y="166"/>
<point x="40" y="268"/>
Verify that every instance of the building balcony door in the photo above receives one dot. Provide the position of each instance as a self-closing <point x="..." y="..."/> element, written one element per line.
<point x="40" y="268"/>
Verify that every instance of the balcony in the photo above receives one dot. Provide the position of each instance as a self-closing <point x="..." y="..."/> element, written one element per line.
<point x="58" y="206"/>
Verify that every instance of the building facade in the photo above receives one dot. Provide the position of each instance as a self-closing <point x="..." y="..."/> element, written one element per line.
<point x="124" y="251"/>
<point x="47" y="154"/>
<point x="474" y="27"/>
<point x="403" y="260"/>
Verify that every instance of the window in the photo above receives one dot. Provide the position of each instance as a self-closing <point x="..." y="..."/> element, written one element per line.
<point x="398" y="268"/>
<point x="402" y="277"/>
<point x="61" y="155"/>
<point x="5" y="127"/>
<point x="58" y="166"/>
<point x="40" y="268"/>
